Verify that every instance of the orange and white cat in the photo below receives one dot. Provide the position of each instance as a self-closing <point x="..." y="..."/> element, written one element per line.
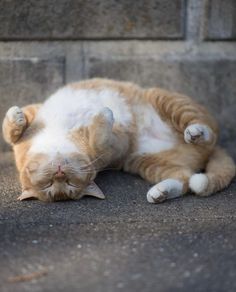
<point x="166" y="138"/>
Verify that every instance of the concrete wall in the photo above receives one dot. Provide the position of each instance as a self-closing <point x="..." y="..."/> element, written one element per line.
<point x="183" y="45"/>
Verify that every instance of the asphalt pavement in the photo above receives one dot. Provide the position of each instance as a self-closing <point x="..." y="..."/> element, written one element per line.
<point x="122" y="243"/>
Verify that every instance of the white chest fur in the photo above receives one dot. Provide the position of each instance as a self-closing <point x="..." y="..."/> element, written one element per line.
<point x="153" y="134"/>
<point x="69" y="109"/>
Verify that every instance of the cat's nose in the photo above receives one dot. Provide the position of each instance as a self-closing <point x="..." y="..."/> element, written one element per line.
<point x="60" y="174"/>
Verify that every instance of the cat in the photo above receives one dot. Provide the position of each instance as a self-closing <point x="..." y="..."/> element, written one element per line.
<point x="167" y="138"/>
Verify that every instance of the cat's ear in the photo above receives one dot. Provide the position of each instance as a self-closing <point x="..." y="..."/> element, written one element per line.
<point x="93" y="190"/>
<point x="26" y="195"/>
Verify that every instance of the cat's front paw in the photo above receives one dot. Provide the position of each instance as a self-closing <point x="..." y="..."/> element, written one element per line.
<point x="107" y="114"/>
<point x="166" y="189"/>
<point x="16" y="116"/>
<point x="197" y="134"/>
<point x="14" y="124"/>
<point x="155" y="196"/>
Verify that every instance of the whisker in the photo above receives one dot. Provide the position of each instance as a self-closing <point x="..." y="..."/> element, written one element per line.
<point x="92" y="162"/>
<point x="49" y="193"/>
<point x="101" y="169"/>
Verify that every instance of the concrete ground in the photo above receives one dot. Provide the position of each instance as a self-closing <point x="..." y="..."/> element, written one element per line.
<point x="122" y="243"/>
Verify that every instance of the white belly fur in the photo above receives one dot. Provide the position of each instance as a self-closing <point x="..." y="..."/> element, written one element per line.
<point x="153" y="134"/>
<point x="68" y="109"/>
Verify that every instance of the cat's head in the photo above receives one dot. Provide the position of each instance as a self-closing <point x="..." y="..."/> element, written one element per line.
<point x="59" y="177"/>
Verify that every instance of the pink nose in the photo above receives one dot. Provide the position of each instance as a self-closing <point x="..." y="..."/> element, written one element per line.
<point x="59" y="173"/>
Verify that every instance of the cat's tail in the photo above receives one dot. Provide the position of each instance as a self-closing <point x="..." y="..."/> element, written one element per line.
<point x="219" y="172"/>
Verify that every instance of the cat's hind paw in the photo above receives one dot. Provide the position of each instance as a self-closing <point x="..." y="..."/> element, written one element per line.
<point x="198" y="183"/>
<point x="198" y="134"/>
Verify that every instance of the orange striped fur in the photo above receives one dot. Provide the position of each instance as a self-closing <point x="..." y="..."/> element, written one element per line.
<point x="119" y="145"/>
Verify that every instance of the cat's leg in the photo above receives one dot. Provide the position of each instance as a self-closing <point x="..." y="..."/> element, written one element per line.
<point x="100" y="131"/>
<point x="169" y="171"/>
<point x="16" y="121"/>
<point x="190" y="119"/>
<point x="173" y="186"/>
<point x="107" y="139"/>
<point x="97" y="138"/>
<point x="103" y="140"/>
<point x="14" y="124"/>
<point x="172" y="182"/>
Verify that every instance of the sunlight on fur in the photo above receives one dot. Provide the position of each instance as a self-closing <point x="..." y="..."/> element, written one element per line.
<point x="165" y="137"/>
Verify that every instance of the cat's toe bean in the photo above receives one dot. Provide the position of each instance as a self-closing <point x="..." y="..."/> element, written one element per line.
<point x="154" y="195"/>
<point x="16" y="115"/>
<point x="197" y="133"/>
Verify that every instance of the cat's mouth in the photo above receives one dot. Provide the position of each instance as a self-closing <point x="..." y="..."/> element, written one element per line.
<point x="60" y="191"/>
<point x="51" y="183"/>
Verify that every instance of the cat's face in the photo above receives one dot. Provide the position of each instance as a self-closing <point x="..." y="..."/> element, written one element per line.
<point x="58" y="178"/>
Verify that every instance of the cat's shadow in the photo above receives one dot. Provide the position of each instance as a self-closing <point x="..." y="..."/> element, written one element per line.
<point x="118" y="184"/>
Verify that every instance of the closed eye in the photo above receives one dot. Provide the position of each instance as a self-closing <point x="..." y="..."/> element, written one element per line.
<point x="72" y="185"/>
<point x="47" y="186"/>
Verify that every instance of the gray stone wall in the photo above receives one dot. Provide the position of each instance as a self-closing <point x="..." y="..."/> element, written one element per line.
<point x="183" y="45"/>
